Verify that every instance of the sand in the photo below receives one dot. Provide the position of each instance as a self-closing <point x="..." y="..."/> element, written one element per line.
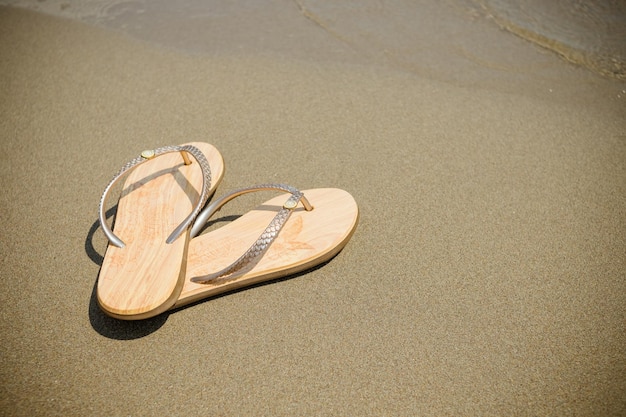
<point x="487" y="275"/>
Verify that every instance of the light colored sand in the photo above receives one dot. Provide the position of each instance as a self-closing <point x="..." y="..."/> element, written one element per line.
<point x="487" y="275"/>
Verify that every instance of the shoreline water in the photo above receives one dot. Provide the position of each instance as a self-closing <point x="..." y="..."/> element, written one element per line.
<point x="590" y="36"/>
<point x="452" y="41"/>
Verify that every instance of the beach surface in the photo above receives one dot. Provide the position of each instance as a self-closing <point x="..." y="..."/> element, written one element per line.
<point x="487" y="275"/>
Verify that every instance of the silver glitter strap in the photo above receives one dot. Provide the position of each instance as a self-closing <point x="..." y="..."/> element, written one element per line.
<point x="268" y="236"/>
<point x="146" y="156"/>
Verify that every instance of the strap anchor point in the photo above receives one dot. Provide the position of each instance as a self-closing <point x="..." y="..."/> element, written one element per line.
<point x="148" y="154"/>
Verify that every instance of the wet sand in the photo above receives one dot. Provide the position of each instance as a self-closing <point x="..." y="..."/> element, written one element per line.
<point x="486" y="276"/>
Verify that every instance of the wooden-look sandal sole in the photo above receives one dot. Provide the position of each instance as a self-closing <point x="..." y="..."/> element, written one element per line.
<point x="145" y="277"/>
<point x="308" y="238"/>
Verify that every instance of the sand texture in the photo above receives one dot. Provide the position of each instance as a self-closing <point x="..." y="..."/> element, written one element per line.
<point x="487" y="275"/>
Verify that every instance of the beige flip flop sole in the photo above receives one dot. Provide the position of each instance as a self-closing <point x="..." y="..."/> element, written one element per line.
<point x="308" y="238"/>
<point x="145" y="277"/>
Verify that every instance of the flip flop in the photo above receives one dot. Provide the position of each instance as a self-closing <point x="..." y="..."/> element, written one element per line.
<point x="276" y="239"/>
<point x="143" y="269"/>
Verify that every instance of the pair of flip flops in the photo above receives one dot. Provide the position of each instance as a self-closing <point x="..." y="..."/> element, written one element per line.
<point x="157" y="259"/>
